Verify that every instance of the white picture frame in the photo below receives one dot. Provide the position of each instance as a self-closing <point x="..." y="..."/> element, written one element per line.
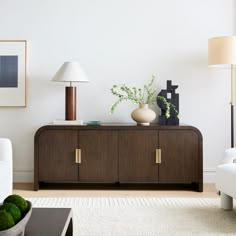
<point x="13" y="73"/>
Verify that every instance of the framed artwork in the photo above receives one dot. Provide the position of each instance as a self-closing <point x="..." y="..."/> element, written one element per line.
<point x="13" y="73"/>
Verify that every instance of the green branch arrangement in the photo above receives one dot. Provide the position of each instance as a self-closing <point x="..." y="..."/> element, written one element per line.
<point x="147" y="95"/>
<point x="169" y="107"/>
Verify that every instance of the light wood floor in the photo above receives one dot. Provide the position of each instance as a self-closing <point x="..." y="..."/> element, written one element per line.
<point x="26" y="190"/>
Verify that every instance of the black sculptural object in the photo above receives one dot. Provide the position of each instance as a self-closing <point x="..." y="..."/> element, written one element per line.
<point x="168" y="101"/>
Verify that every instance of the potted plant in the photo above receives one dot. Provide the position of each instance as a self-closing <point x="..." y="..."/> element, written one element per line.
<point x="144" y="97"/>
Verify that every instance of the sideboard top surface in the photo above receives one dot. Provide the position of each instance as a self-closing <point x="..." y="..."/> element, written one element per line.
<point x="118" y="126"/>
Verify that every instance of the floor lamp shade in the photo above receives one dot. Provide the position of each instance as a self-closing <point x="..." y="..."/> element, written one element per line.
<point x="70" y="72"/>
<point x="222" y="52"/>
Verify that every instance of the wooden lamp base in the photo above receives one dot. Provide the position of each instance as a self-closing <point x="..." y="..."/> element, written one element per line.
<point x="70" y="104"/>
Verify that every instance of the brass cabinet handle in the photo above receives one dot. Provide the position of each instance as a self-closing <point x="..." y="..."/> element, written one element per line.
<point x="158" y="156"/>
<point x="78" y="155"/>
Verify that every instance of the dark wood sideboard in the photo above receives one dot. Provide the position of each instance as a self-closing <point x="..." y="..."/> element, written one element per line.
<point x="119" y="155"/>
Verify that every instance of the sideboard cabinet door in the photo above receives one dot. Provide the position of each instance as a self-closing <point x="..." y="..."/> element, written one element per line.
<point x="99" y="156"/>
<point x="57" y="155"/>
<point x="137" y="156"/>
<point x="179" y="156"/>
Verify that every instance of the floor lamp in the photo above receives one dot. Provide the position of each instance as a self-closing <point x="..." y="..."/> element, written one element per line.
<point x="70" y="72"/>
<point x="222" y="52"/>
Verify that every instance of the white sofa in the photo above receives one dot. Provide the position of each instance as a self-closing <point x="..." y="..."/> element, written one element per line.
<point x="226" y="179"/>
<point x="5" y="168"/>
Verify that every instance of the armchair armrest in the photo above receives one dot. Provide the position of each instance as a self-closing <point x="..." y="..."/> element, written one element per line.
<point x="5" y="179"/>
<point x="230" y="156"/>
<point x="5" y="150"/>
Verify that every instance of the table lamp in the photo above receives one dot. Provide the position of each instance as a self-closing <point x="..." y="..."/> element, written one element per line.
<point x="222" y="52"/>
<point x="70" y="72"/>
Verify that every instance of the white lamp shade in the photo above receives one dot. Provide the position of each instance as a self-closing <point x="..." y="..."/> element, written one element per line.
<point x="222" y="50"/>
<point x="70" y="72"/>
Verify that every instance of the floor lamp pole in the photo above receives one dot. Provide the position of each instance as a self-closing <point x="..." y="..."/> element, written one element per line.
<point x="232" y="105"/>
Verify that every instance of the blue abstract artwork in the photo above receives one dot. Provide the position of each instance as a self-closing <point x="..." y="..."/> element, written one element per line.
<point x="8" y="71"/>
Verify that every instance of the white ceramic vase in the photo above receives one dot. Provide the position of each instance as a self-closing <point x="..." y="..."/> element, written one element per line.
<point x="143" y="115"/>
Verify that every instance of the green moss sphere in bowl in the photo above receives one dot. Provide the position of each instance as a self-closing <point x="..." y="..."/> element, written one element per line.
<point x="6" y="220"/>
<point x="15" y="212"/>
<point x="12" y="209"/>
<point x="19" y="201"/>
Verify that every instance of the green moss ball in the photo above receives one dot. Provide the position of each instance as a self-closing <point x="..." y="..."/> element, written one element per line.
<point x="19" y="201"/>
<point x="13" y="210"/>
<point x="6" y="220"/>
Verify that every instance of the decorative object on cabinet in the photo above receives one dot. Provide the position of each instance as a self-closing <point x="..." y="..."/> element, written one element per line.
<point x="121" y="155"/>
<point x="70" y="72"/>
<point x="143" y="115"/>
<point x="168" y="101"/>
<point x="222" y="52"/>
<point x="144" y="97"/>
<point x="93" y="122"/>
<point x="13" y="73"/>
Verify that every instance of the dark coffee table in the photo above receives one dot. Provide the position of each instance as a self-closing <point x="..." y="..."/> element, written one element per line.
<point x="50" y="222"/>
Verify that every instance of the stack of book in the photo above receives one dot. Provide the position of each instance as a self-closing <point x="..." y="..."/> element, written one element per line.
<point x="67" y="122"/>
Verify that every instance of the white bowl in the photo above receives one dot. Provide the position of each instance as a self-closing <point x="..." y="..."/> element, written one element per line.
<point x="19" y="228"/>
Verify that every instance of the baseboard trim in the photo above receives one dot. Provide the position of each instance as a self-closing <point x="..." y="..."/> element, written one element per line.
<point x="24" y="175"/>
<point x="209" y="175"/>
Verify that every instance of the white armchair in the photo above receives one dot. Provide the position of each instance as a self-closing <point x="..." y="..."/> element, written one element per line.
<point x="6" y="182"/>
<point x="225" y="179"/>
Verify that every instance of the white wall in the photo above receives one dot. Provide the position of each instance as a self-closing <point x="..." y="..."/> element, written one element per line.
<point x="116" y="42"/>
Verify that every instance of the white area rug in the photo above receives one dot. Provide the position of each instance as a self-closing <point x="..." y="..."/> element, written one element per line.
<point x="145" y="216"/>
